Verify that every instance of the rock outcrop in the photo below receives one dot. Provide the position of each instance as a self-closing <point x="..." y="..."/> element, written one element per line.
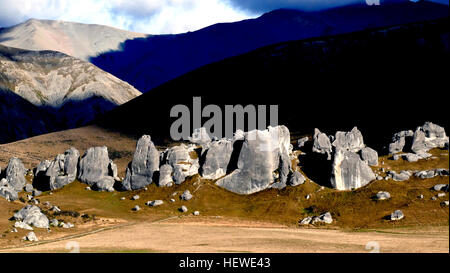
<point x="15" y="174"/>
<point x="370" y="156"/>
<point x="262" y="163"/>
<point x="141" y="170"/>
<point x="217" y="157"/>
<point x="94" y="169"/>
<point x="322" y="143"/>
<point x="32" y="216"/>
<point x="183" y="157"/>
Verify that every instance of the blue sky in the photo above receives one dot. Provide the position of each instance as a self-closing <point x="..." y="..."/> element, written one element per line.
<point x="153" y="16"/>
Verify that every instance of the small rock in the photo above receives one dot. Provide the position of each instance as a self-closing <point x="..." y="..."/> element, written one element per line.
<point x="420" y="196"/>
<point x="383" y="195"/>
<point x="183" y="209"/>
<point x="14" y="230"/>
<point x="196" y="213"/>
<point x="434" y="198"/>
<point x="441" y="187"/>
<point x="172" y="200"/>
<point x="122" y="198"/>
<point x="30" y="237"/>
<point x="186" y="196"/>
<point x="55" y="209"/>
<point x="306" y="221"/>
<point x="444" y="203"/>
<point x="22" y="225"/>
<point x="154" y="203"/>
<point x="54" y="222"/>
<point x="88" y="188"/>
<point x="440" y="195"/>
<point x="308" y="197"/>
<point x="136" y="208"/>
<point x="397" y="215"/>
<point x="136" y="197"/>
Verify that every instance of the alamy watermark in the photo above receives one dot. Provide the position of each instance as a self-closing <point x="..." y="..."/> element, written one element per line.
<point x="219" y="122"/>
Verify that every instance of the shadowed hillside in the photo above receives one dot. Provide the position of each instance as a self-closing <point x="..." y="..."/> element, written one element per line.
<point x="381" y="80"/>
<point x="148" y="62"/>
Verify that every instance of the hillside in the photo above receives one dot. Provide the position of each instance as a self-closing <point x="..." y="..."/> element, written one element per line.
<point x="81" y="41"/>
<point x="387" y="78"/>
<point x="148" y="62"/>
<point x="71" y="91"/>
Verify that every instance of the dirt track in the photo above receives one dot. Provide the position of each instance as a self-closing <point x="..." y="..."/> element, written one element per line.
<point x="223" y="236"/>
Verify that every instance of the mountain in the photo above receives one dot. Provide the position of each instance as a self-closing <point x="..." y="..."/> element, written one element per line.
<point x="82" y="41"/>
<point x="382" y="80"/>
<point x="70" y="91"/>
<point x="148" y="62"/>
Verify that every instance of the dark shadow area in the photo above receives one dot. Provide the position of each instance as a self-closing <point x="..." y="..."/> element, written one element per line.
<point x="316" y="166"/>
<point x="41" y="182"/>
<point x="233" y="164"/>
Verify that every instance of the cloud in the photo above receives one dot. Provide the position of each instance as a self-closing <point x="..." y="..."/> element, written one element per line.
<point x="147" y="16"/>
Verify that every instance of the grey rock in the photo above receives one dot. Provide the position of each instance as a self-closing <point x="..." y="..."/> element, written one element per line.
<point x="32" y="215"/>
<point x="182" y="156"/>
<point x="306" y="221"/>
<point x="196" y="213"/>
<point x="263" y="153"/>
<point x="31" y="236"/>
<point x="94" y="168"/>
<point x="441" y="187"/>
<point x="54" y="223"/>
<point x="135" y="197"/>
<point x="183" y="209"/>
<point x="397" y="215"/>
<point x="145" y="163"/>
<point x="62" y="170"/>
<point x="15" y="174"/>
<point x="302" y="141"/>
<point x="186" y="196"/>
<point x="349" y="171"/>
<point x="442" y="172"/>
<point x="425" y="174"/>
<point x="28" y="188"/>
<point x="410" y="157"/>
<point x="155" y="203"/>
<point x="165" y="175"/>
<point x="402" y="176"/>
<point x="8" y="193"/>
<point x="296" y="179"/>
<point x="440" y="195"/>
<point x="324" y="218"/>
<point x="352" y="141"/>
<point x="322" y="143"/>
<point x="370" y="156"/>
<point x="217" y="158"/>
<point x="178" y="175"/>
<point x="399" y="141"/>
<point x="22" y="225"/>
<point x="427" y="137"/>
<point x="136" y="208"/>
<point x="383" y="195"/>
<point x="445" y="203"/>
<point x="42" y="167"/>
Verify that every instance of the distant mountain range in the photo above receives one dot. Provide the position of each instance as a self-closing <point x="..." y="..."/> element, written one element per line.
<point x="148" y="62"/>
<point x="53" y="91"/>
<point x="81" y="41"/>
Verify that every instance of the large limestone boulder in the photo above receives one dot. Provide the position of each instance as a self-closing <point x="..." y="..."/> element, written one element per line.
<point x="349" y="171"/>
<point x="61" y="171"/>
<point x="427" y="137"/>
<point x="322" y="143"/>
<point x="15" y="174"/>
<point x="165" y="175"/>
<point x="399" y="141"/>
<point x="200" y="136"/>
<point x="183" y="157"/>
<point x="94" y="169"/>
<point x="264" y="156"/>
<point x="32" y="216"/>
<point x="8" y="193"/>
<point x="217" y="158"/>
<point x="145" y="163"/>
<point x="370" y="156"/>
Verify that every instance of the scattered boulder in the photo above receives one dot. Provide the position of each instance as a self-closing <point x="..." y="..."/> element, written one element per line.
<point x="306" y="221"/>
<point x="8" y="193"/>
<point x="324" y="218"/>
<point x="445" y="203"/>
<point x="155" y="203"/>
<point x="145" y="163"/>
<point x="28" y="188"/>
<point x="200" y="136"/>
<point x="301" y="142"/>
<point x="370" y="156"/>
<point x="32" y="215"/>
<point x="183" y="209"/>
<point x="182" y="156"/>
<point x="440" y="195"/>
<point x="350" y="141"/>
<point x="22" y="225"/>
<point x="441" y="187"/>
<point x="296" y="179"/>
<point x="54" y="223"/>
<point x="196" y="213"/>
<point x="186" y="196"/>
<point x="136" y="208"/>
<point x="425" y="174"/>
<point x="399" y="141"/>
<point x="135" y="197"/>
<point x="383" y="195"/>
<point x="30" y="237"/>
<point x="264" y="155"/>
<point x="402" y="176"/>
<point x="397" y="215"/>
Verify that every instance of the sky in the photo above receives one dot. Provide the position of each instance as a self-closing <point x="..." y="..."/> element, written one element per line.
<point x="153" y="16"/>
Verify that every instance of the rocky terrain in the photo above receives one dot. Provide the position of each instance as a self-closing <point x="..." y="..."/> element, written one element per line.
<point x="66" y="90"/>
<point x="81" y="41"/>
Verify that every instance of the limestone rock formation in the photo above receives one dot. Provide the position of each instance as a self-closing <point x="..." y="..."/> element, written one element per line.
<point x="8" y="193"/>
<point x="217" y="158"/>
<point x="15" y="174"/>
<point x="32" y="215"/>
<point x="264" y="155"/>
<point x="142" y="168"/>
<point x="349" y="171"/>
<point x="370" y="156"/>
<point x="322" y="143"/>
<point x="296" y="179"/>
<point x="165" y="176"/>
<point x="427" y="137"/>
<point x="94" y="169"/>
<point x="399" y="141"/>
<point x="182" y="156"/>
<point x="351" y="141"/>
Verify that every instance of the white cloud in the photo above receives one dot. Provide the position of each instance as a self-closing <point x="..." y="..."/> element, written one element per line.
<point x="147" y="16"/>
